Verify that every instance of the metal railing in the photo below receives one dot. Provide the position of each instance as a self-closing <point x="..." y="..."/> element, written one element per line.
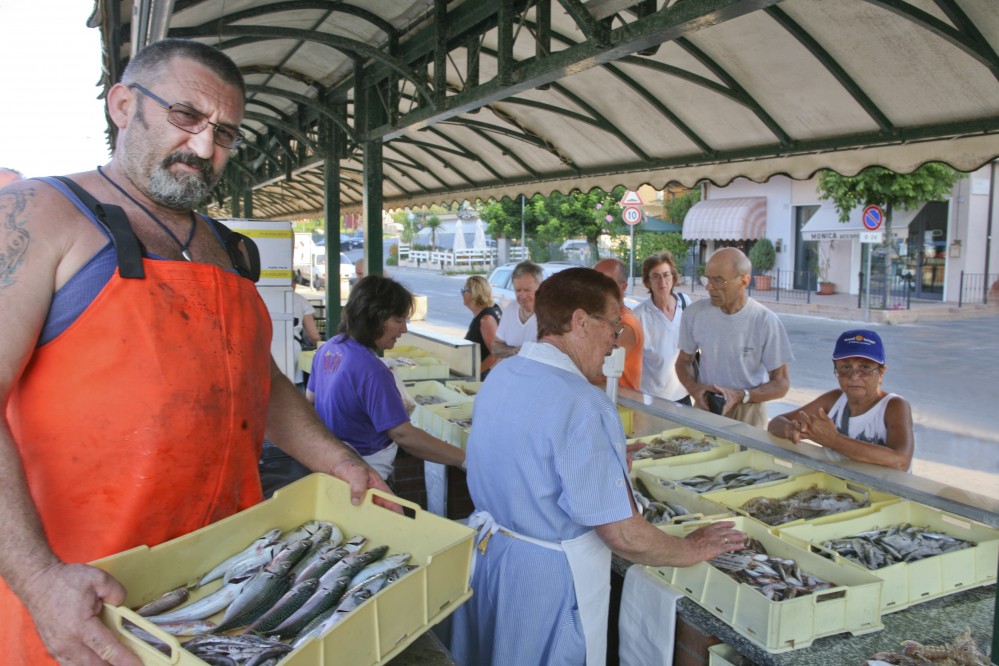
<point x="887" y="292"/>
<point x="978" y="288"/>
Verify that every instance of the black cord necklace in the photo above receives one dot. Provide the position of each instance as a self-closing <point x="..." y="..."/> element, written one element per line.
<point x="185" y="250"/>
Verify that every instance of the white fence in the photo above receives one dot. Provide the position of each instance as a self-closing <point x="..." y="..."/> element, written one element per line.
<point x="467" y="257"/>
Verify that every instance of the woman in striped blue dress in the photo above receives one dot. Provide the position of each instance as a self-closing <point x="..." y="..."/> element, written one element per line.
<point x="547" y="473"/>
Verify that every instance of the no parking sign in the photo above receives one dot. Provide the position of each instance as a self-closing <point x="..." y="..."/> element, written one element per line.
<point x="873" y="217"/>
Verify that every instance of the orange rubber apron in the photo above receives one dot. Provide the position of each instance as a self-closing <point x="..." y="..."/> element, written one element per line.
<point x="142" y="421"/>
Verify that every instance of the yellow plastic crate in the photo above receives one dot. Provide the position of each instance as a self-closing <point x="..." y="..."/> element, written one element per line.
<point x="734" y="499"/>
<point x="699" y="506"/>
<point x="627" y="419"/>
<point x="374" y="633"/>
<point x="908" y="583"/>
<point x="671" y="473"/>
<point x="468" y="388"/>
<point x="407" y="351"/>
<point x="721" y="449"/>
<point x="438" y="420"/>
<point x="723" y="654"/>
<point x="427" y="367"/>
<point x="852" y="605"/>
<point x="435" y="389"/>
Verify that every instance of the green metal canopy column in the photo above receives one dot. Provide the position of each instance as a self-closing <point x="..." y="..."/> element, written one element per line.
<point x="333" y="142"/>
<point x="370" y="111"/>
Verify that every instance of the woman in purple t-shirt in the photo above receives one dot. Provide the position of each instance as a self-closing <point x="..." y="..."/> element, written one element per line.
<point x="356" y="395"/>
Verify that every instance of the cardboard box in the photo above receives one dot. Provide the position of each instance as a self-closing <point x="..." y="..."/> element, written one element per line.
<point x="374" y="633"/>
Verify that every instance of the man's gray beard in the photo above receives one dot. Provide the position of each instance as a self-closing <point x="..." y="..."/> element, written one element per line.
<point x="181" y="191"/>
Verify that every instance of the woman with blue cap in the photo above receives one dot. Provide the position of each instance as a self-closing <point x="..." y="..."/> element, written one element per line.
<point x="859" y="420"/>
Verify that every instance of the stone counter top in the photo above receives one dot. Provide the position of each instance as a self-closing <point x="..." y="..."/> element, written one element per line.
<point x="932" y="622"/>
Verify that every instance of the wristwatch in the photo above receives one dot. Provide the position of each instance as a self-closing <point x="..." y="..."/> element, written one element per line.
<point x="745" y="396"/>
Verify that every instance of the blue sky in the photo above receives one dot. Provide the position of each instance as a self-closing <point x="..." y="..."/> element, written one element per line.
<point x="50" y="65"/>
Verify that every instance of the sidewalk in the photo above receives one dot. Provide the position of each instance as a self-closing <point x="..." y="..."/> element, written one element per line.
<point x="844" y="307"/>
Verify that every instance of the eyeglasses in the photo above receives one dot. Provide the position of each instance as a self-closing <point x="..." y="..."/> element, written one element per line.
<point x="193" y="121"/>
<point x="660" y="277"/>
<point x="846" y="371"/>
<point x="715" y="281"/>
<point x="615" y="325"/>
<point x="465" y="290"/>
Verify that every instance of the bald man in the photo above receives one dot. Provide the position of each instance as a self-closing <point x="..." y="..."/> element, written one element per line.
<point x="631" y="337"/>
<point x="744" y="347"/>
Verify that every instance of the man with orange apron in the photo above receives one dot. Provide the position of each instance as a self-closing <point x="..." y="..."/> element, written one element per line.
<point x="135" y="371"/>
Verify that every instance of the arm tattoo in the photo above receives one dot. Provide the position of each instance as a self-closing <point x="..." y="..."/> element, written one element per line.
<point x="14" y="239"/>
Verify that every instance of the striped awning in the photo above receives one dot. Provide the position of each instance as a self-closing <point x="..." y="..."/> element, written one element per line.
<point x="726" y="219"/>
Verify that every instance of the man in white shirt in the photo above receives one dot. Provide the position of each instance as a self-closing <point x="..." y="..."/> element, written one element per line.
<point x="744" y="347"/>
<point x="518" y="323"/>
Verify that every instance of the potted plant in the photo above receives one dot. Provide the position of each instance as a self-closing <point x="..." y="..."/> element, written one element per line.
<point x="823" y="262"/>
<point x="763" y="257"/>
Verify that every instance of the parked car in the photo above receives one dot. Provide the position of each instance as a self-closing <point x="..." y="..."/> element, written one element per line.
<point x="304" y="273"/>
<point x="348" y="242"/>
<point x="501" y="279"/>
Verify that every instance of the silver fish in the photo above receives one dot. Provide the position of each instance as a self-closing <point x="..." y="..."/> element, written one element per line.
<point x="252" y="551"/>
<point x="326" y="597"/>
<point x="165" y="602"/>
<point x="328" y="620"/>
<point x="266" y="587"/>
<point x="294" y="599"/>
<point x="384" y="564"/>
<point x="204" y="607"/>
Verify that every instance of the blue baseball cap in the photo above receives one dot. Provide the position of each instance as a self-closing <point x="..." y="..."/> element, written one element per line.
<point x="860" y="343"/>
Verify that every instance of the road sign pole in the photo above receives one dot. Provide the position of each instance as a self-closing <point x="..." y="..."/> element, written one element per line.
<point x="631" y="269"/>
<point x="867" y="300"/>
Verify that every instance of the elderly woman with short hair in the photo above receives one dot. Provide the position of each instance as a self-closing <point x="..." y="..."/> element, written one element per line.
<point x="354" y="392"/>
<point x="547" y="473"/>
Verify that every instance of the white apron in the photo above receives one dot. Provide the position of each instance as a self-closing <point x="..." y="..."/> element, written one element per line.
<point x="589" y="562"/>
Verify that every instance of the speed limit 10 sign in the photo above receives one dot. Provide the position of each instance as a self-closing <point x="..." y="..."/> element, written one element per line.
<point x="631" y="214"/>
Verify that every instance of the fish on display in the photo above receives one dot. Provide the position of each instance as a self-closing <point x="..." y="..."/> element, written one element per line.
<point x="462" y="423"/>
<point x="774" y="577"/>
<point x="309" y="584"/>
<point x="667" y="447"/>
<point x="243" y="650"/>
<point x="729" y="480"/>
<point x="165" y="602"/>
<point x="428" y="400"/>
<point x="892" y="545"/>
<point x="205" y="607"/>
<point x="653" y="510"/>
<point x="260" y="552"/>
<point x="808" y="503"/>
<point x="328" y="620"/>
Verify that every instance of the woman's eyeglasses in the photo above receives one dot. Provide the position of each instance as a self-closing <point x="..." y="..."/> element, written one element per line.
<point x="465" y="290"/>
<point x="847" y="371"/>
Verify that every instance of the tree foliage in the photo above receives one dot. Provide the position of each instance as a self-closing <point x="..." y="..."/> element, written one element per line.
<point x="676" y="209"/>
<point x="885" y="188"/>
<point x="433" y="223"/>
<point x="648" y="243"/>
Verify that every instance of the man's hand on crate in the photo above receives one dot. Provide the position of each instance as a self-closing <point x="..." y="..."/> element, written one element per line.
<point x="65" y="601"/>
<point x="360" y="477"/>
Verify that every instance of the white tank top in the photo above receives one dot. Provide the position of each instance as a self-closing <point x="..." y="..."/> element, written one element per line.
<point x="867" y="427"/>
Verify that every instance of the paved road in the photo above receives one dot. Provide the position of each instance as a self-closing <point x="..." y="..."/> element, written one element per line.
<point x="946" y="370"/>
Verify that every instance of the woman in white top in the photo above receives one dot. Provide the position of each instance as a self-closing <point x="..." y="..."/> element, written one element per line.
<point x="859" y="420"/>
<point x="660" y="318"/>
